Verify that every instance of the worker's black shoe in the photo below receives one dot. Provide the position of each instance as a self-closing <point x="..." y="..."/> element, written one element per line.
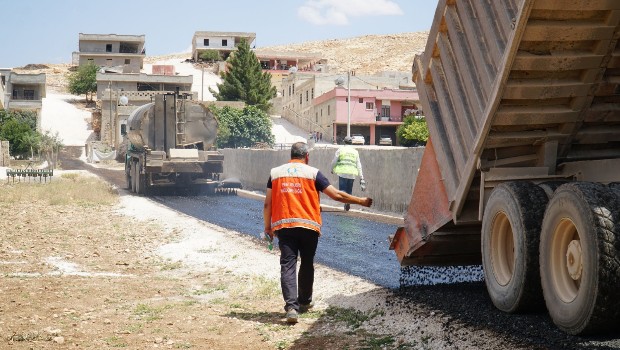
<point x="347" y="207"/>
<point x="291" y="316"/>
<point x="306" y="307"/>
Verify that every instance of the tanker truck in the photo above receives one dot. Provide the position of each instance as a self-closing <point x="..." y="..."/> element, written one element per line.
<point x="522" y="168"/>
<point x="171" y="143"/>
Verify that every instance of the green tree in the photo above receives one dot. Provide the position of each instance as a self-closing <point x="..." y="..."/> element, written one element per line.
<point x="19" y="128"/>
<point x="413" y="132"/>
<point x="84" y="81"/>
<point x="50" y="146"/>
<point x="245" y="127"/>
<point x="244" y="80"/>
<point x="32" y="140"/>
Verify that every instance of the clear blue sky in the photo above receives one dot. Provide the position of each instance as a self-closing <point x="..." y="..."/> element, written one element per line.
<point x="46" y="31"/>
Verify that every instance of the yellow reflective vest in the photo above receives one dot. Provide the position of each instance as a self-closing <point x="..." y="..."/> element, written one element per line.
<point x="347" y="161"/>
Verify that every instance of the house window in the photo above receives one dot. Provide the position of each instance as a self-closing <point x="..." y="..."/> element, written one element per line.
<point x="300" y="99"/>
<point x="90" y="60"/>
<point x="224" y="42"/>
<point x="293" y="88"/>
<point x="127" y="61"/>
<point x="307" y="95"/>
<point x="321" y="112"/>
<point x="346" y="99"/>
<point x="328" y="109"/>
<point x="312" y="93"/>
<point x="206" y="42"/>
<point x="370" y="105"/>
<point x="361" y="100"/>
<point x="108" y="48"/>
<point x="385" y="111"/>
<point x="108" y="62"/>
<point x="28" y="94"/>
<point x="15" y="94"/>
<point x="289" y="90"/>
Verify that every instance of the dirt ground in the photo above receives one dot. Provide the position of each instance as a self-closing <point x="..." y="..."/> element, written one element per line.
<point x="85" y="275"/>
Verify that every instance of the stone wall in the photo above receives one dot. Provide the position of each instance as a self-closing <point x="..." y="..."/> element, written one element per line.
<point x="4" y="153"/>
<point x="390" y="173"/>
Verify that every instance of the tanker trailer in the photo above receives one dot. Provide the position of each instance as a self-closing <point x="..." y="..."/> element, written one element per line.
<point x="521" y="170"/>
<point x="170" y="144"/>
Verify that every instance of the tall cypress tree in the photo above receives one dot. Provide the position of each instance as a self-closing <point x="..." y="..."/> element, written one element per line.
<point x="245" y="81"/>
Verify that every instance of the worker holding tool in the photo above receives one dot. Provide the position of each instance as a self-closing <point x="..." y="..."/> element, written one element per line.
<point x="292" y="212"/>
<point x="346" y="164"/>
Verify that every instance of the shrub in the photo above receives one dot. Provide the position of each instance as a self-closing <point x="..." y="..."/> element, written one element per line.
<point x="210" y="56"/>
<point x="413" y="132"/>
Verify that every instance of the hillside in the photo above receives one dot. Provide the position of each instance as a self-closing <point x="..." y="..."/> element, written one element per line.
<point x="367" y="54"/>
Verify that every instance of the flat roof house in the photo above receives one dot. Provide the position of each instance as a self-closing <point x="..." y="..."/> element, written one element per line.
<point x="223" y="42"/>
<point x="320" y="103"/>
<point x="111" y="50"/>
<point x="22" y="92"/>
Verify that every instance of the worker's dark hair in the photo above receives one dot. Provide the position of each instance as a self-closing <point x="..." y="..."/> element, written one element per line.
<point x="299" y="150"/>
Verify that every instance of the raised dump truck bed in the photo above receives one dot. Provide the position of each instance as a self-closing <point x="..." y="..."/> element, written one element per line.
<point x="520" y="96"/>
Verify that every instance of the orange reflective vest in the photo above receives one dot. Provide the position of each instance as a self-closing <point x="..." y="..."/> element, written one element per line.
<point x="294" y="197"/>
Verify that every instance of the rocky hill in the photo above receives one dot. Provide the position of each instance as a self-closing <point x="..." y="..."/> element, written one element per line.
<point x="367" y="54"/>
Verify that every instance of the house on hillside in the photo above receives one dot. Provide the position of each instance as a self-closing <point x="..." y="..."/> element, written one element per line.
<point x="121" y="94"/>
<point x="123" y="52"/>
<point x="222" y="42"/>
<point x="22" y="92"/>
<point x="320" y="103"/>
<point x="281" y="64"/>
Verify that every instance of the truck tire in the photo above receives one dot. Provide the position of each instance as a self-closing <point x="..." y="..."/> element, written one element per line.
<point x="128" y="176"/>
<point x="579" y="265"/>
<point x="140" y="180"/>
<point x="550" y="186"/>
<point x="510" y="241"/>
<point x="134" y="176"/>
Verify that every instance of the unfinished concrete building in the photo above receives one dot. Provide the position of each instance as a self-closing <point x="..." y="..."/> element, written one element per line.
<point x="22" y="92"/>
<point x="222" y="42"/>
<point x="123" y="52"/>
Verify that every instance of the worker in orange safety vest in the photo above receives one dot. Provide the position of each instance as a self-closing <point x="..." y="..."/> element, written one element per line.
<point x="292" y="212"/>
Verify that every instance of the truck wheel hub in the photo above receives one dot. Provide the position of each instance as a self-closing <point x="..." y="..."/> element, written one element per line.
<point x="573" y="260"/>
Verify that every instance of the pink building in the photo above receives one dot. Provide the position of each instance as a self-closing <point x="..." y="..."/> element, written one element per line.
<point x="374" y="113"/>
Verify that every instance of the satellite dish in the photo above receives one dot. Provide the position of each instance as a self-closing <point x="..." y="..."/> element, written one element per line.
<point x="123" y="100"/>
<point x="339" y="81"/>
<point x="102" y="71"/>
<point x="292" y="69"/>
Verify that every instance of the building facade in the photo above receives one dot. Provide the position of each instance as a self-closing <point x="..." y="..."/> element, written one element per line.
<point x="124" y="52"/>
<point x="319" y="103"/>
<point x="223" y="42"/>
<point x="22" y="92"/>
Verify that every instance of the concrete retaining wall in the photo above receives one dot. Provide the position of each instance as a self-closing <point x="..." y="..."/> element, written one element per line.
<point x="390" y="173"/>
<point x="4" y="153"/>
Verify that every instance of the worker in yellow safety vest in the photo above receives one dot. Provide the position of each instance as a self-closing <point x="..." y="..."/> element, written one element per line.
<point x="346" y="164"/>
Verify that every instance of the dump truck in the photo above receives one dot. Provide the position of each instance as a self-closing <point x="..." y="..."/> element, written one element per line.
<point x="171" y="144"/>
<point x="522" y="168"/>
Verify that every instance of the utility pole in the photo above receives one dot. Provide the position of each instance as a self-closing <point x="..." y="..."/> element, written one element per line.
<point x="202" y="83"/>
<point x="349" y="103"/>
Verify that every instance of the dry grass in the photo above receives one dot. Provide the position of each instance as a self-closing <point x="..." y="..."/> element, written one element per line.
<point x="69" y="188"/>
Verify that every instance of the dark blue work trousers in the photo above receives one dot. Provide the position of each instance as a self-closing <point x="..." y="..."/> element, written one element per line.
<point x="293" y="242"/>
<point x="345" y="185"/>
